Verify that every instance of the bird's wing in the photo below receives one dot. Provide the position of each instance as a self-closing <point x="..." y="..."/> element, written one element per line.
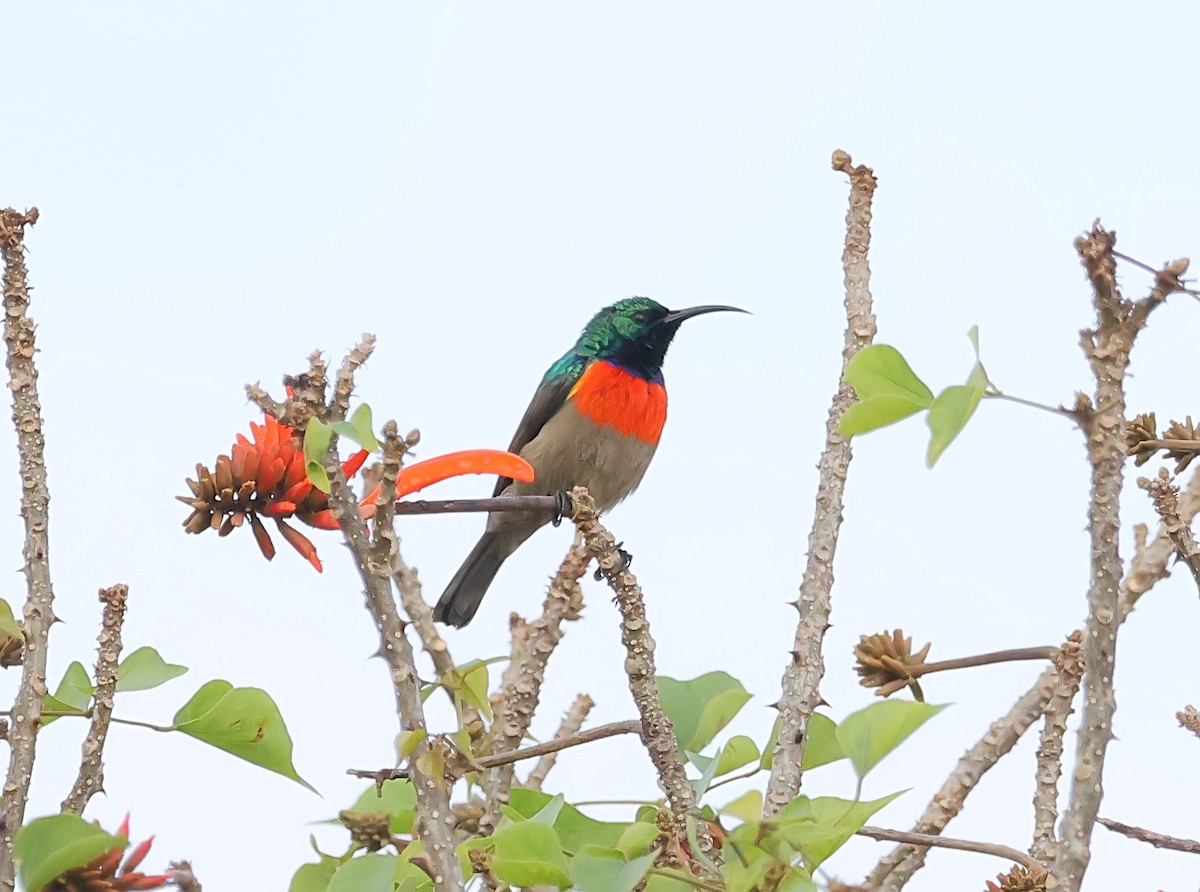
<point x="549" y="398"/>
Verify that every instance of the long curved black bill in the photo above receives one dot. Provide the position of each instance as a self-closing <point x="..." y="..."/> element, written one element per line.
<point x="677" y="316"/>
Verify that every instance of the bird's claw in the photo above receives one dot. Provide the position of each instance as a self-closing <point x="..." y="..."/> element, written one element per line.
<point x="563" y="507"/>
<point x="626" y="559"/>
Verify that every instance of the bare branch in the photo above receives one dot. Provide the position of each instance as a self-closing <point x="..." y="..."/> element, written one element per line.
<point x="1107" y="347"/>
<point x="1050" y="750"/>
<point x="343" y="387"/>
<point x="1158" y="840"/>
<point x="534" y="504"/>
<point x="91" y="769"/>
<point x="533" y="644"/>
<point x="802" y="677"/>
<point x="35" y="501"/>
<point x="181" y="873"/>
<point x="658" y="734"/>
<point x="570" y="726"/>
<point x="943" y="842"/>
<point x="434" y="823"/>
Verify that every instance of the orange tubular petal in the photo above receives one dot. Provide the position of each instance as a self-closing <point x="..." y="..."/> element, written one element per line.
<point x="279" y="509"/>
<point x="299" y="492"/>
<point x="296" y="468"/>
<point x="123" y="830"/>
<point x="322" y="520"/>
<point x="270" y="473"/>
<point x="137" y="856"/>
<point x="459" y="464"/>
<point x="265" y="545"/>
<point x="151" y="881"/>
<point x="351" y="466"/>
<point x="300" y="542"/>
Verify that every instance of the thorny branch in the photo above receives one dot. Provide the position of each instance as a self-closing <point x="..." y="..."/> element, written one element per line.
<point x="91" y="769"/>
<point x="801" y="679"/>
<point x="35" y="502"/>
<point x="1158" y="840"/>
<point x="1050" y="749"/>
<point x="1107" y="347"/>
<point x="372" y="559"/>
<point x="570" y="726"/>
<point x="658" y="734"/>
<point x="533" y="643"/>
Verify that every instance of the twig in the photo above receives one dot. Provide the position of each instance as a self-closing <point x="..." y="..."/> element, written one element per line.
<point x="658" y="734"/>
<point x="1189" y="718"/>
<point x="1107" y="347"/>
<point x="533" y="643"/>
<point x="944" y="842"/>
<point x="550" y="747"/>
<point x="1166" y="504"/>
<point x="802" y="677"/>
<point x="91" y="769"/>
<point x="1158" y="840"/>
<point x="1050" y="750"/>
<point x="570" y="726"/>
<point x="534" y="504"/>
<point x="1149" y="565"/>
<point x="35" y="501"/>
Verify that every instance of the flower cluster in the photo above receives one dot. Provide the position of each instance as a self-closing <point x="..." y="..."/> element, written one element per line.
<point x="107" y="874"/>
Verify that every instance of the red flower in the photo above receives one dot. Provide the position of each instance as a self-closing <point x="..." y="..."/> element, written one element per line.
<point x="107" y="874"/>
<point x="266" y="477"/>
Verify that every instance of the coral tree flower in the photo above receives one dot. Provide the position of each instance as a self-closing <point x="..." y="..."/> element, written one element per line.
<point x="107" y="874"/>
<point x="266" y="478"/>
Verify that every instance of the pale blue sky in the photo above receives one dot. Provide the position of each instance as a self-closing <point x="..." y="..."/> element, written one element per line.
<point x="225" y="187"/>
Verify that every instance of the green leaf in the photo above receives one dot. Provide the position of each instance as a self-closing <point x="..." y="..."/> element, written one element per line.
<point x="144" y="669"/>
<point x="469" y="682"/>
<point x="8" y="623"/>
<point x="747" y="807"/>
<point x="314" y="877"/>
<point x="947" y="417"/>
<point x="700" y="708"/>
<point x="358" y="429"/>
<point x="870" y="734"/>
<point x="822" y="746"/>
<point x="708" y="770"/>
<point x="548" y="813"/>
<point x="876" y="412"/>
<point x="575" y="829"/>
<point x="317" y="437"/>
<point x="242" y="721"/>
<point x="819" y="827"/>
<point x="408" y="741"/>
<point x="367" y="873"/>
<point x="660" y="883"/>
<point x="637" y="838"/>
<point x="398" y="799"/>
<point x="597" y="869"/>
<point x="73" y="694"/>
<point x="880" y="370"/>
<point x="529" y="854"/>
<point x="738" y="752"/>
<point x="48" y="847"/>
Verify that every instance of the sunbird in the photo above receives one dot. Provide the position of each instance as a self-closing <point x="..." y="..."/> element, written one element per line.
<point x="594" y="421"/>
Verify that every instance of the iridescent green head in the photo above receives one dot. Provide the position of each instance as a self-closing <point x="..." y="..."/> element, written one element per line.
<point x="635" y="333"/>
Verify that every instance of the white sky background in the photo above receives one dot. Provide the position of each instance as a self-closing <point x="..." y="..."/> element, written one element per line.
<point x="226" y="187"/>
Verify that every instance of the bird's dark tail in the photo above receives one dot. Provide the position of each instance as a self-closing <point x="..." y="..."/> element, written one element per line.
<point x="466" y="590"/>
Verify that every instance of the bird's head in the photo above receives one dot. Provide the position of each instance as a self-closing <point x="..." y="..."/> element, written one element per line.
<point x="636" y="332"/>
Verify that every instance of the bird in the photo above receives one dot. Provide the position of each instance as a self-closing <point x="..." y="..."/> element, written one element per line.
<point x="595" y="421"/>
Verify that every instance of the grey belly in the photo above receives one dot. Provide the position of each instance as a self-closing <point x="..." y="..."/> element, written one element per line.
<point x="572" y="450"/>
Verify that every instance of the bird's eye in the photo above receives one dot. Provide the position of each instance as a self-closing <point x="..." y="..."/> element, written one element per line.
<point x="641" y="317"/>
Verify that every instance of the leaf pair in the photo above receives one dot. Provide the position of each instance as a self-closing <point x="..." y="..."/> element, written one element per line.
<point x="318" y="435"/>
<point x="142" y="670"/>
<point x="890" y="391"/>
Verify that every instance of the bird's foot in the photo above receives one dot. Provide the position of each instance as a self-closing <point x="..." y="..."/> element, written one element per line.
<point x="563" y="507"/>
<point x="626" y="559"/>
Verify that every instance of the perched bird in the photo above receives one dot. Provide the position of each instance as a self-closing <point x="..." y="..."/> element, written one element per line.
<point x="595" y="421"/>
